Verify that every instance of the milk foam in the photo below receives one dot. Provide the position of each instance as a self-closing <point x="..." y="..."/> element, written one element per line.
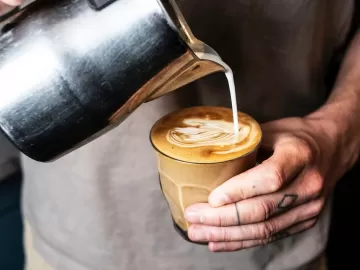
<point x="207" y="132"/>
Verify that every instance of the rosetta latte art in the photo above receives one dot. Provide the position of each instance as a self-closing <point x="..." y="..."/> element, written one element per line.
<point x="205" y="132"/>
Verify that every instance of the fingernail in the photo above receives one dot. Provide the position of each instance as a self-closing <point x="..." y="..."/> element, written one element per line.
<point x="193" y="216"/>
<point x="218" y="199"/>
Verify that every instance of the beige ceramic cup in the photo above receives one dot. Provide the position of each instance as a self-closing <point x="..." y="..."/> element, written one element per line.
<point x="185" y="183"/>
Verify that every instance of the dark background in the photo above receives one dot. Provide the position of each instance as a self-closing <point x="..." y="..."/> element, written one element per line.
<point x="343" y="247"/>
<point x="11" y="228"/>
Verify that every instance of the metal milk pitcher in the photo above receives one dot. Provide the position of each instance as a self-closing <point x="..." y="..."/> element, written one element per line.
<point x="70" y="70"/>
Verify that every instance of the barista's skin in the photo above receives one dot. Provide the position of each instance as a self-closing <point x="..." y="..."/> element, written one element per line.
<point x="287" y="191"/>
<point x="4" y="4"/>
<point x="12" y="2"/>
<point x="9" y="2"/>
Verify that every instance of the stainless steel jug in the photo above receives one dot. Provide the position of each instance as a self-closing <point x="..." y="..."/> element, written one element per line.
<point x="70" y="70"/>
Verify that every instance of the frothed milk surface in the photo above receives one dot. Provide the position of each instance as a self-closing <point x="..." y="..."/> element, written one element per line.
<point x="205" y="135"/>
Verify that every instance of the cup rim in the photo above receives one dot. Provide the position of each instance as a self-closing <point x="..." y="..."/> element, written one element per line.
<point x="202" y="163"/>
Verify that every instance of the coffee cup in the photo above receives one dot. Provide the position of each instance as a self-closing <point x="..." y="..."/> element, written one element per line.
<point x="197" y="150"/>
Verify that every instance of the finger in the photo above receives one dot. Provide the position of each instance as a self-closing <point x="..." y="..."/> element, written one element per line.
<point x="288" y="160"/>
<point x="5" y="7"/>
<point x="237" y="245"/>
<point x="307" y="187"/>
<point x="258" y="231"/>
<point x="12" y="2"/>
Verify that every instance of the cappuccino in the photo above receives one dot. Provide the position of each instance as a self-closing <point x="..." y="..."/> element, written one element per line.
<point x="197" y="150"/>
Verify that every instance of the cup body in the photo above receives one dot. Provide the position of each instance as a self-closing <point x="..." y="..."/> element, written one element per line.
<point x="186" y="183"/>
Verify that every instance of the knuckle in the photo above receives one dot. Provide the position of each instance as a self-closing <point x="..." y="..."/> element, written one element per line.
<point x="213" y="234"/>
<point x="268" y="230"/>
<point x="276" y="177"/>
<point x="247" y="217"/>
<point x="226" y="235"/>
<point x="304" y="149"/>
<point x="220" y="234"/>
<point x="237" y="194"/>
<point x="219" y="221"/>
<point x="264" y="209"/>
<point x="316" y="183"/>
<point x="317" y="207"/>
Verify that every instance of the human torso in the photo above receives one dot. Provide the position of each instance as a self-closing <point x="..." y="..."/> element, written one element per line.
<point x="101" y="207"/>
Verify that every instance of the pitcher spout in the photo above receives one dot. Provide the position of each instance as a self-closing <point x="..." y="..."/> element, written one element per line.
<point x="192" y="66"/>
<point x="199" y="60"/>
<point x="192" y="69"/>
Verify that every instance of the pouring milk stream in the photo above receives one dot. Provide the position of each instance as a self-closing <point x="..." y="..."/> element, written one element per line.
<point x="209" y="54"/>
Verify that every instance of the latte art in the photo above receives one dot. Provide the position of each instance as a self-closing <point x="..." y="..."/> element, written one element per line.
<point x="205" y="135"/>
<point x="207" y="132"/>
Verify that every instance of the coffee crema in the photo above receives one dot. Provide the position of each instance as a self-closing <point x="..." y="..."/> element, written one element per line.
<point x="205" y="135"/>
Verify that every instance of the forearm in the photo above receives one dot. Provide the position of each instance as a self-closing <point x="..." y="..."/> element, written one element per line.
<point x="341" y="113"/>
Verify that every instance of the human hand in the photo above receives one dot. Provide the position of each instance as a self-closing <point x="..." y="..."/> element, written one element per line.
<point x="280" y="197"/>
<point x="4" y="4"/>
<point x="12" y="2"/>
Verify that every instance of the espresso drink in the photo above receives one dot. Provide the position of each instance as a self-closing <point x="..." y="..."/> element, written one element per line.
<point x="197" y="150"/>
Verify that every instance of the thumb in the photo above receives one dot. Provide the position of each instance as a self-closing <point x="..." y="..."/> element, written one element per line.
<point x="270" y="176"/>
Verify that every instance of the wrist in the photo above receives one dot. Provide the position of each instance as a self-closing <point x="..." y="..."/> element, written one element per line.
<point x="339" y="119"/>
